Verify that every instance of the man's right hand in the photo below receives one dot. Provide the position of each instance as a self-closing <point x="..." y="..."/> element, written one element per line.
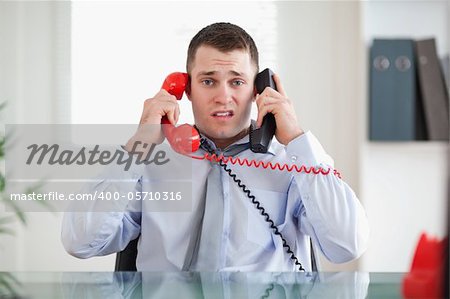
<point x="149" y="130"/>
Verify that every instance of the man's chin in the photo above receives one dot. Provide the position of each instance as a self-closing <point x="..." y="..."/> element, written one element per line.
<point x="217" y="135"/>
<point x="225" y="136"/>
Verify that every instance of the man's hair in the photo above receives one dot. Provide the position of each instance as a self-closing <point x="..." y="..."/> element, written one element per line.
<point x="224" y="37"/>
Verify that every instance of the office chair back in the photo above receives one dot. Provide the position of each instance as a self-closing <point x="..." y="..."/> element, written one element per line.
<point x="126" y="259"/>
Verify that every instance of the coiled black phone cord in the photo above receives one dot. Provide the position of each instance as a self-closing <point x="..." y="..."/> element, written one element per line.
<point x="258" y="206"/>
<point x="267" y="291"/>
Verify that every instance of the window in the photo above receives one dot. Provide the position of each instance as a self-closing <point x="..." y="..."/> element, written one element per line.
<point x="122" y="51"/>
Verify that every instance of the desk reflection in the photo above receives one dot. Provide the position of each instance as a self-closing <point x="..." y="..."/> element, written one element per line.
<point x="215" y="285"/>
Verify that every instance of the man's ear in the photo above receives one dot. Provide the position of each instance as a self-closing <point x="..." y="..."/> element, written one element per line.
<point x="254" y="93"/>
<point x="188" y="88"/>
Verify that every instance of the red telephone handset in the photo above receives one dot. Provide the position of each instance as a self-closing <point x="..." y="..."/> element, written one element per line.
<point x="183" y="139"/>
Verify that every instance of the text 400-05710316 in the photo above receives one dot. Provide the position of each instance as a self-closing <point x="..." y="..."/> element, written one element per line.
<point x="103" y="196"/>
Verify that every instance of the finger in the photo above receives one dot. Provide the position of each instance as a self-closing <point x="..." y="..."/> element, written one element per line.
<point x="280" y="87"/>
<point x="171" y="110"/>
<point x="162" y="92"/>
<point x="272" y="101"/>
<point x="262" y="111"/>
<point x="177" y="113"/>
<point x="260" y="105"/>
<point x="259" y="119"/>
<point x="265" y="96"/>
<point x="255" y="97"/>
<point x="171" y="116"/>
<point x="155" y="111"/>
<point x="269" y="100"/>
<point x="164" y="96"/>
<point x="167" y="99"/>
<point x="258" y="100"/>
<point x="272" y="93"/>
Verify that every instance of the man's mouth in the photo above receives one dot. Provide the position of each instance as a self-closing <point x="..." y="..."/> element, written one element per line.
<point x="223" y="114"/>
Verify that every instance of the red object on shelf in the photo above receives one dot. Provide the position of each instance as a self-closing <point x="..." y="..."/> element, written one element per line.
<point x="426" y="278"/>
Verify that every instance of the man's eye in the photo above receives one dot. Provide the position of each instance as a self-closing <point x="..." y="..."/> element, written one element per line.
<point x="238" y="82"/>
<point x="207" y="82"/>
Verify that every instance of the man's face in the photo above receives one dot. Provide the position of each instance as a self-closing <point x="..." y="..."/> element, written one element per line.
<point x="221" y="92"/>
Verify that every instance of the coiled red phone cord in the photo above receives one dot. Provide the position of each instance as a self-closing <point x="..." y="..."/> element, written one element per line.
<point x="266" y="165"/>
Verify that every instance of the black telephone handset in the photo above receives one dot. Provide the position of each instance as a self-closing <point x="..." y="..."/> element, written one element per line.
<point x="261" y="138"/>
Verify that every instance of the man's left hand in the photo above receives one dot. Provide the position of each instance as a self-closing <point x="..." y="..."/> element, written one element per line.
<point x="277" y="103"/>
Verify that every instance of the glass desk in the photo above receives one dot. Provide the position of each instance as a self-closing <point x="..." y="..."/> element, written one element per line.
<point x="199" y="285"/>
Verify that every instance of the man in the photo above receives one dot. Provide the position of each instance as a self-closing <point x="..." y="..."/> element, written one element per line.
<point x="224" y="230"/>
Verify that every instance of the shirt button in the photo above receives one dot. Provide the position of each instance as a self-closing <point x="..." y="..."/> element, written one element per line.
<point x="294" y="158"/>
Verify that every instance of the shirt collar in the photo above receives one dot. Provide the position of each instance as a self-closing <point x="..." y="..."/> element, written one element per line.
<point x="244" y="140"/>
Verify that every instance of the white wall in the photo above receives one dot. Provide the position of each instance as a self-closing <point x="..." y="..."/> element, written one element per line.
<point x="404" y="193"/>
<point x="320" y="51"/>
<point x="35" y="84"/>
<point x="404" y="184"/>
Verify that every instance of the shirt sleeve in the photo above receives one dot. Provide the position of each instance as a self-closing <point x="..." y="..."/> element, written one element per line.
<point x="328" y="209"/>
<point x="98" y="227"/>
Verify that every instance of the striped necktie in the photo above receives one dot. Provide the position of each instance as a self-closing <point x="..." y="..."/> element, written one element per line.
<point x="204" y="249"/>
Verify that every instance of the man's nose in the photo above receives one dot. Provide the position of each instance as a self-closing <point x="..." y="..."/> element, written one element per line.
<point x="223" y="94"/>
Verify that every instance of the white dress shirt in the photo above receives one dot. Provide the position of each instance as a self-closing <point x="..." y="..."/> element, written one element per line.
<point x="302" y="206"/>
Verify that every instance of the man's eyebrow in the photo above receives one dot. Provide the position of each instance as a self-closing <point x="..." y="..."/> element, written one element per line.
<point x="235" y="73"/>
<point x="211" y="73"/>
<point x="204" y="73"/>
